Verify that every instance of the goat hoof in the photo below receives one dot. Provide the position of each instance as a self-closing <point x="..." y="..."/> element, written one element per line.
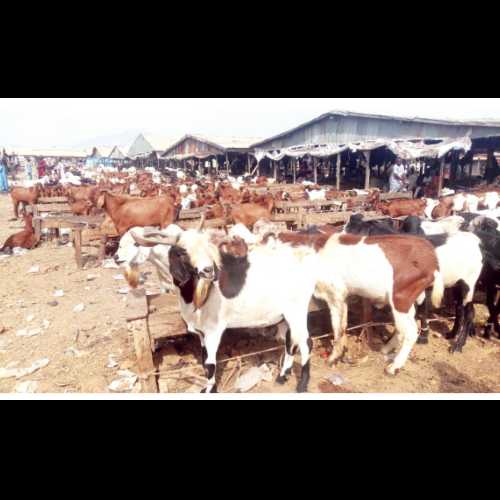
<point x="454" y="349"/>
<point x="423" y="340"/>
<point x="391" y="371"/>
<point x="282" y="380"/>
<point x="302" y="389"/>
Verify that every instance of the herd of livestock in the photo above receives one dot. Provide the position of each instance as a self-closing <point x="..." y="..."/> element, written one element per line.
<point x="252" y="274"/>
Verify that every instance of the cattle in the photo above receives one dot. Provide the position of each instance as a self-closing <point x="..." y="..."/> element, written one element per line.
<point x="227" y="285"/>
<point x="127" y="212"/>
<point x="24" y="196"/>
<point x="24" y="239"/>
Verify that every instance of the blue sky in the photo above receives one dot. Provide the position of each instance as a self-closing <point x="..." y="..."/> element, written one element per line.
<point x="38" y="122"/>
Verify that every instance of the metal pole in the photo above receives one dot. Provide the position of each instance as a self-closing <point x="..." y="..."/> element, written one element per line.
<point x="339" y="170"/>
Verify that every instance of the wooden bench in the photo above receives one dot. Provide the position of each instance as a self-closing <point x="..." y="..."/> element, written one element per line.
<point x="155" y="318"/>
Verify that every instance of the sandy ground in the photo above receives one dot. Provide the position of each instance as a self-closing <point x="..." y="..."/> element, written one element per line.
<point x="77" y="345"/>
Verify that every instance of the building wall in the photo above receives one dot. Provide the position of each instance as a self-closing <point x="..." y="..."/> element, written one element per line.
<point x="346" y="129"/>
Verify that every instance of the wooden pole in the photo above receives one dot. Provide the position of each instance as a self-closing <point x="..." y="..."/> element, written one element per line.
<point x="249" y="166"/>
<point x="339" y="170"/>
<point x="441" y="176"/>
<point x="227" y="163"/>
<point x="294" y="167"/>
<point x="367" y="169"/>
<point x="315" y="168"/>
<point x="275" y="170"/>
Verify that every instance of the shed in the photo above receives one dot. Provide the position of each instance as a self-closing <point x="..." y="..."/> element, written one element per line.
<point x="344" y="127"/>
<point x="233" y="151"/>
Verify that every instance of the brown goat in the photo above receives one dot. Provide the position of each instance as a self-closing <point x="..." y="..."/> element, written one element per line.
<point x="400" y="208"/>
<point x="24" y="239"/>
<point x="24" y="196"/>
<point x="126" y="212"/>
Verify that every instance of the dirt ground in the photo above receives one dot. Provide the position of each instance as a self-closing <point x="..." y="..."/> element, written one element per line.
<point x="77" y="345"/>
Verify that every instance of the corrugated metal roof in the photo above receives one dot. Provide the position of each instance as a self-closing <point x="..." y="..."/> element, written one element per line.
<point x="404" y="120"/>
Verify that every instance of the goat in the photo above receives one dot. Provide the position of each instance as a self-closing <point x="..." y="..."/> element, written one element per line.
<point x="24" y="239"/>
<point x="400" y="208"/>
<point x="229" y="286"/>
<point x="24" y="196"/>
<point x="127" y="212"/>
<point x="461" y="264"/>
<point x="376" y="268"/>
<point x="249" y="213"/>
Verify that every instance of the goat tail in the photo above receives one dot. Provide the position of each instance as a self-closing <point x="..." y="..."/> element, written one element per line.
<point x="437" y="289"/>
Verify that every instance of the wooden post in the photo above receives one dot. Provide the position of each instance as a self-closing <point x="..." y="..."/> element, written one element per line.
<point x="339" y="170"/>
<point x="441" y="176"/>
<point x="367" y="313"/>
<point x="367" y="169"/>
<point x="275" y="170"/>
<point x="227" y="163"/>
<point x="78" y="248"/>
<point x="102" y="248"/>
<point x="137" y="313"/>
<point x="249" y="165"/>
<point x="315" y="168"/>
<point x="294" y="168"/>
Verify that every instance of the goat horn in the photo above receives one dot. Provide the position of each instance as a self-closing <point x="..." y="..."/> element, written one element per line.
<point x="154" y="239"/>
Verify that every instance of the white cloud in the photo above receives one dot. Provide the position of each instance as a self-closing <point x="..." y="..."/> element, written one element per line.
<point x="70" y="121"/>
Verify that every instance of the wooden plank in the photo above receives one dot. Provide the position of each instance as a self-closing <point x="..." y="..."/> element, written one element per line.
<point x="137" y="305"/>
<point x="56" y="199"/>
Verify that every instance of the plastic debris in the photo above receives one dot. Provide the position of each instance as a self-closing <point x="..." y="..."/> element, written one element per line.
<point x="18" y="252"/>
<point x="125" y="383"/>
<point x="28" y="387"/>
<point x="59" y="293"/>
<point x="112" y="363"/>
<point x="71" y="351"/>
<point x="124" y="291"/>
<point x="22" y="372"/>
<point x="336" y="379"/>
<point x="92" y="277"/>
<point x="45" y="324"/>
<point x="29" y="333"/>
<point x="110" y="264"/>
<point x="34" y="270"/>
<point x="119" y="277"/>
<point x="79" y="308"/>
<point x="253" y="377"/>
<point x="30" y="318"/>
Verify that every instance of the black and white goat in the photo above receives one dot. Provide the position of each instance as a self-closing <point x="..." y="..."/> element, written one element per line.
<point x="225" y="285"/>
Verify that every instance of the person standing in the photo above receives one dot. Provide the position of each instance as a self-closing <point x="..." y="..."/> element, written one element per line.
<point x="4" y="183"/>
<point x="396" y="180"/>
<point x="29" y="170"/>
<point x="42" y="168"/>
